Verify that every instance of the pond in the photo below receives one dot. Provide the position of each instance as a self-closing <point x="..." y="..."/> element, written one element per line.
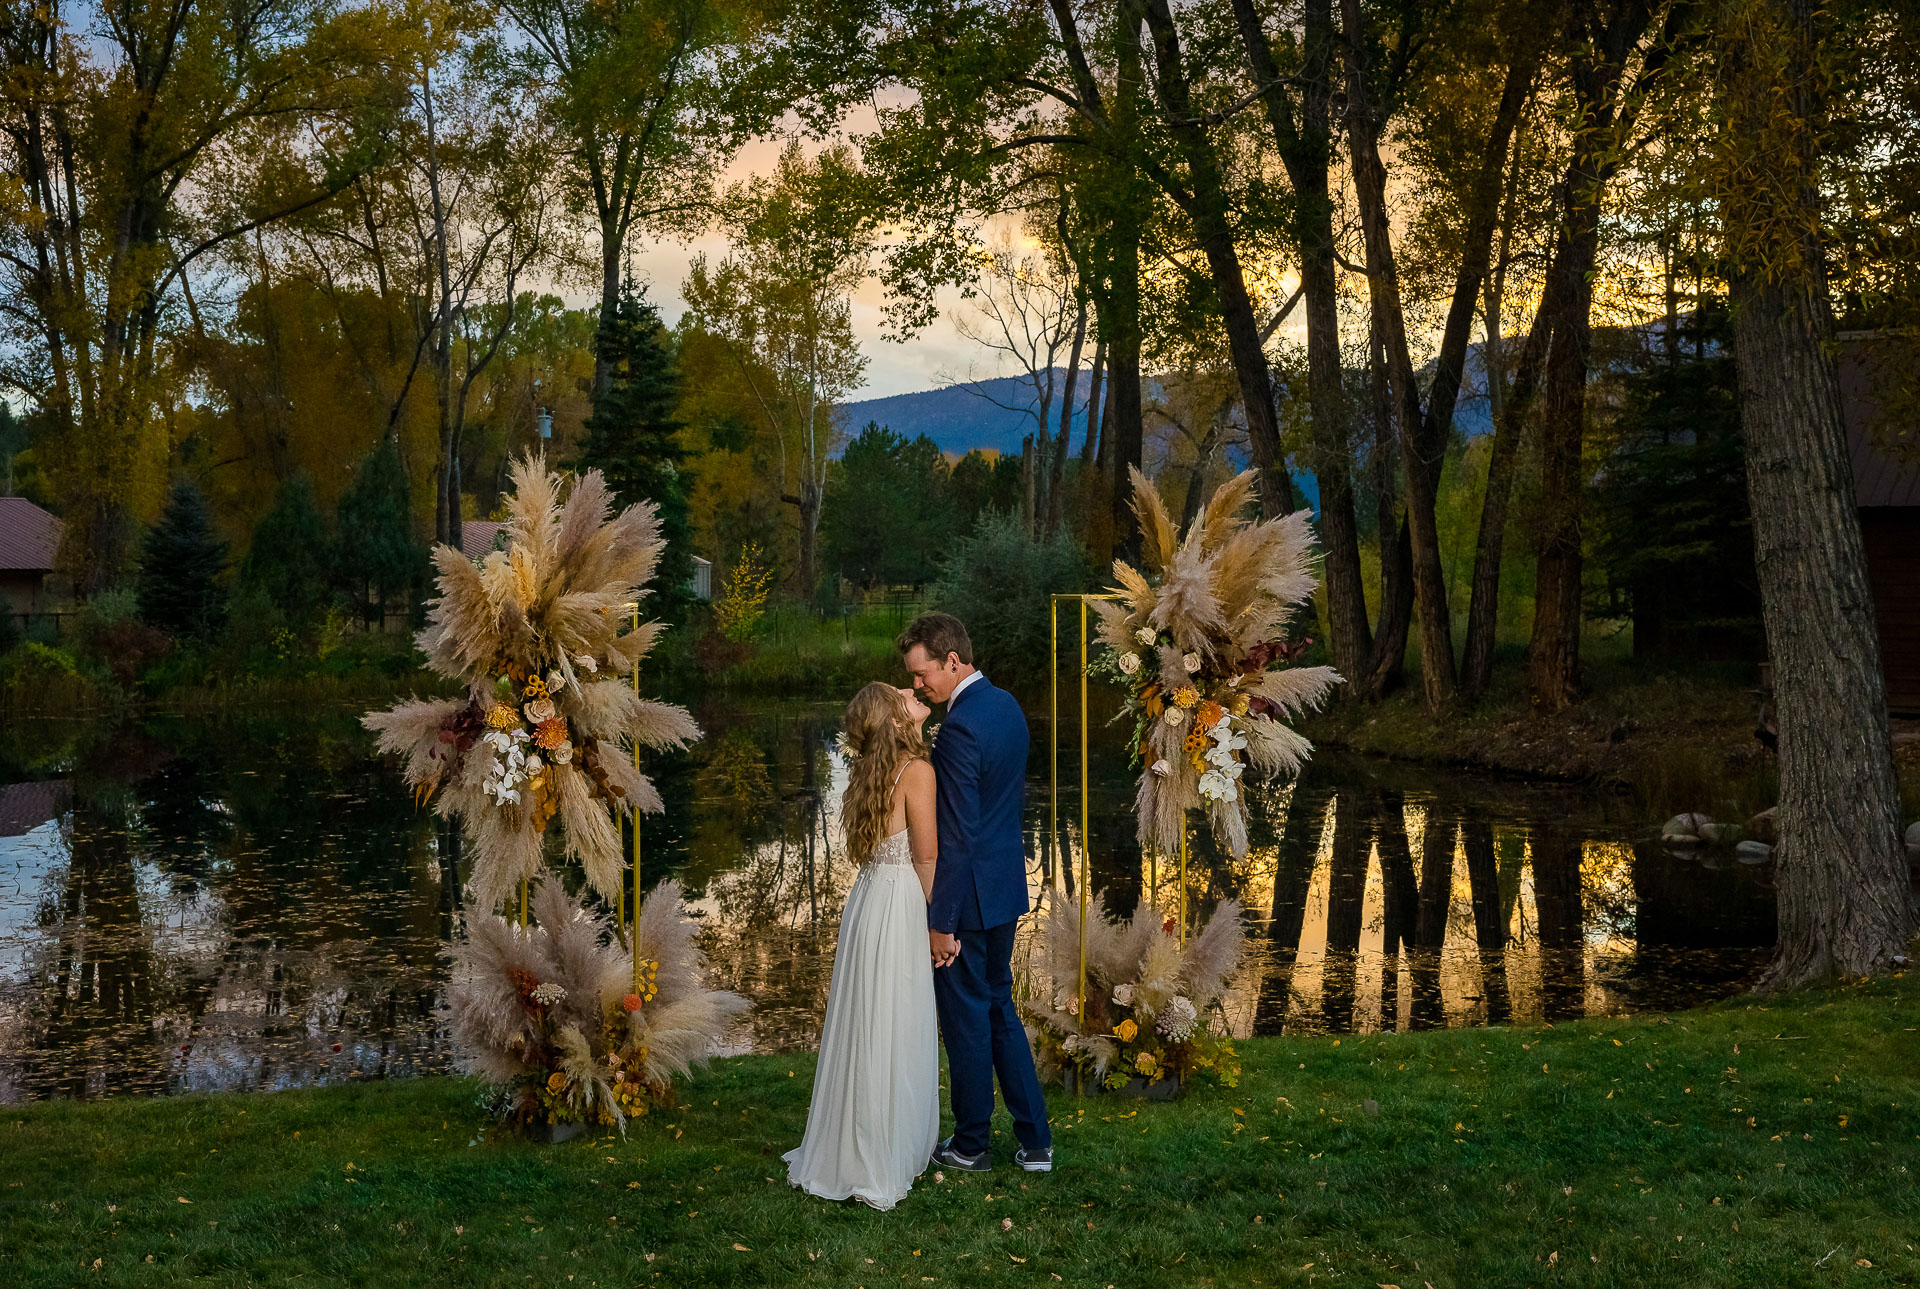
<point x="255" y="902"/>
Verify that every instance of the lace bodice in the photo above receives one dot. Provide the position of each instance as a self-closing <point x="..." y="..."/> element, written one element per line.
<point x="894" y="850"/>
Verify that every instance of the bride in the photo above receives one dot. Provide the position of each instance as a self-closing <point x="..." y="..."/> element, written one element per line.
<point x="875" y="1116"/>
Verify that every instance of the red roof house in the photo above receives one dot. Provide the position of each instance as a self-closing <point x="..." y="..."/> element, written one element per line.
<point x="29" y="539"/>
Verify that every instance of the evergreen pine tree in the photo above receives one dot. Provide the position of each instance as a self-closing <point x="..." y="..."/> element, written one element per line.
<point x="632" y="439"/>
<point x="377" y="561"/>
<point x="287" y="561"/>
<point x="180" y="566"/>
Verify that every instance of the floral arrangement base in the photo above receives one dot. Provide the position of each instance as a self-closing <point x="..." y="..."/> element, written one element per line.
<point x="1082" y="1084"/>
<point x="552" y="1134"/>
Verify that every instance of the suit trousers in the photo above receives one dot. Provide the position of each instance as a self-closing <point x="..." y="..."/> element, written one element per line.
<point x="984" y="1038"/>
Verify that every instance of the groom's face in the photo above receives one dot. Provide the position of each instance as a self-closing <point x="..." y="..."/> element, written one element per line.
<point x="934" y="680"/>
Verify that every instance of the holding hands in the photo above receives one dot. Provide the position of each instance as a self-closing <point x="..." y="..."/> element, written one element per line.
<point x="945" y="947"/>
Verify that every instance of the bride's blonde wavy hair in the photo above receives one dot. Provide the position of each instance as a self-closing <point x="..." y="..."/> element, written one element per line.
<point x="881" y="739"/>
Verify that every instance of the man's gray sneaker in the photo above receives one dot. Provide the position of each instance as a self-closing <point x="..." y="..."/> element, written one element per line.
<point x="1035" y="1161"/>
<point x="945" y="1156"/>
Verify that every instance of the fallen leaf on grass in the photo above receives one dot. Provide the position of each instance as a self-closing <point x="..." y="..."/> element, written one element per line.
<point x="1553" y="1259"/>
<point x="1016" y="1257"/>
<point x="1006" y="1224"/>
<point x="183" y="1200"/>
<point x="1858" y="1262"/>
<point x="741" y="1248"/>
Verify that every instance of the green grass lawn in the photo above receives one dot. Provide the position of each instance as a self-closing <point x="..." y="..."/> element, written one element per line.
<point x="1752" y="1144"/>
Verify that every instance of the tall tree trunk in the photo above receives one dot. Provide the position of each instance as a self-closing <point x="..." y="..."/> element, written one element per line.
<point x="1090" y="446"/>
<point x="1842" y="881"/>
<point x="1423" y="459"/>
<point x="1306" y="150"/>
<point x="1604" y="115"/>
<point x="1383" y="667"/>
<point x="1208" y="210"/>
<point x="1127" y="433"/>
<point x="446" y="491"/>
<point x="1483" y="612"/>
<point x="1057" y="472"/>
<point x="1553" y="657"/>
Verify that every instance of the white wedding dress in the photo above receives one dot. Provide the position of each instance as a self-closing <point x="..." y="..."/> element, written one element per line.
<point x="875" y="1116"/>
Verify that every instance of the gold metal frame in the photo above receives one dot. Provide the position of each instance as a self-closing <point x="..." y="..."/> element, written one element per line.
<point x="1080" y="993"/>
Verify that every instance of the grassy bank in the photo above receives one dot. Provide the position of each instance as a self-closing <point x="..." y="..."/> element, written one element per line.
<point x="1668" y="735"/>
<point x="1750" y="1144"/>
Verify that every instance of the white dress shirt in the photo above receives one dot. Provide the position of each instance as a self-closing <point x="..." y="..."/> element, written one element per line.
<point x="962" y="685"/>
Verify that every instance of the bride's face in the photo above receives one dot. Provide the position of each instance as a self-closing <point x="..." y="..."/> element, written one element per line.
<point x="916" y="711"/>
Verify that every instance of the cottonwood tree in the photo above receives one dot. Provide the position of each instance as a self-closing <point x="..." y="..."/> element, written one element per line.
<point x="140" y="137"/>
<point x="650" y="102"/>
<point x="1844" y="905"/>
<point x="782" y="303"/>
<point x="484" y="214"/>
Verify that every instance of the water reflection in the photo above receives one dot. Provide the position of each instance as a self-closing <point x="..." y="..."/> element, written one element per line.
<point x="258" y="903"/>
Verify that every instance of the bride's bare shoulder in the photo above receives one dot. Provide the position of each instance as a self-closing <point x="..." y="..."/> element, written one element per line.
<point x="917" y="775"/>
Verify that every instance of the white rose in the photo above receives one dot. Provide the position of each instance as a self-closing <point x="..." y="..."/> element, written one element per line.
<point x="1144" y="635"/>
<point x="562" y="755"/>
<point x="1123" y="994"/>
<point x="540" y="709"/>
<point x="534" y="763"/>
<point x="555" y="682"/>
<point x="586" y="663"/>
<point x="1163" y="767"/>
<point x="1129" y="663"/>
<point x="1191" y="662"/>
<point x="1173" y="716"/>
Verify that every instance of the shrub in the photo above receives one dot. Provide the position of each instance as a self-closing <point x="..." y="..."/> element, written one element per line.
<point x="743" y="598"/>
<point x="999" y="581"/>
<point x="43" y="678"/>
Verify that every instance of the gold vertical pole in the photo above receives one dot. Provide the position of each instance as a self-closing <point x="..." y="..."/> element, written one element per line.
<point x="636" y="826"/>
<point x="1053" y="603"/>
<point x="1183" y="878"/>
<point x="523" y="901"/>
<point x="1084" y="781"/>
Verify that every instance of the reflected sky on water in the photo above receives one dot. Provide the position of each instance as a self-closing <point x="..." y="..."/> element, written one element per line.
<point x="257" y="903"/>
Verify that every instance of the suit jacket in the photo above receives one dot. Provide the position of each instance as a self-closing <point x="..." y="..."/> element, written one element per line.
<point x="980" y="771"/>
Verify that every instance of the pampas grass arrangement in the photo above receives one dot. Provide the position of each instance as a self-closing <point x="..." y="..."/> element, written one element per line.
<point x="534" y="632"/>
<point x="1151" y="1005"/>
<point x="571" y="1025"/>
<point x="1198" y="639"/>
<point x="547" y="1012"/>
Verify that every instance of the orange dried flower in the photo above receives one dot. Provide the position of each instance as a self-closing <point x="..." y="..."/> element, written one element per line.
<point x="551" y="733"/>
<point x="1210" y="714"/>
<point x="631" y="1002"/>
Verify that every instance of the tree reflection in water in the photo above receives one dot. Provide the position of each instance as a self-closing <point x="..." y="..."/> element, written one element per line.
<point x="218" y="904"/>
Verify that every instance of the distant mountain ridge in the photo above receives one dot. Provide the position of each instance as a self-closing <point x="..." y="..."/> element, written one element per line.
<point x="991" y="415"/>
<point x="995" y="416"/>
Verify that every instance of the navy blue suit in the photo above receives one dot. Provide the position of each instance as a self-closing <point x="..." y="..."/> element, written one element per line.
<point x="979" y="894"/>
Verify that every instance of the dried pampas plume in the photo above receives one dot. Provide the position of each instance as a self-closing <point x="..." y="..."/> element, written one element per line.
<point x="1216" y="605"/>
<point x="541" y="621"/>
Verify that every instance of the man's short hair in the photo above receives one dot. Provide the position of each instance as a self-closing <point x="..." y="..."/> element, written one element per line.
<point x="939" y="634"/>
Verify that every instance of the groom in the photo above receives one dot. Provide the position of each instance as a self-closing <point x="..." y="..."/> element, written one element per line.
<point x="979" y="895"/>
